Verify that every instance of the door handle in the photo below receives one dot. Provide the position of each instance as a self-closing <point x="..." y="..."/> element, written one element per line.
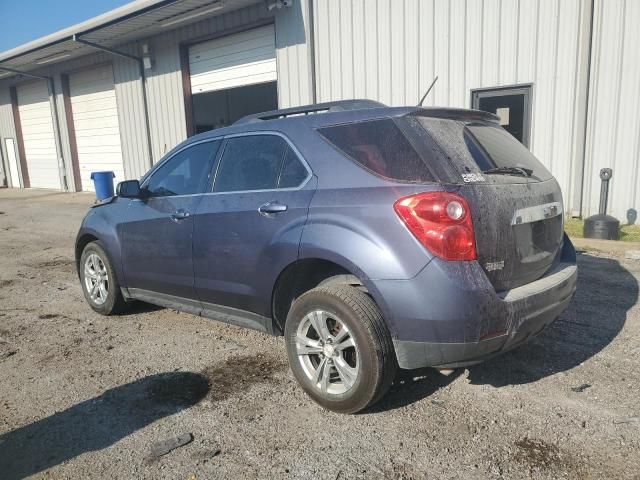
<point x="179" y="215"/>
<point x="271" y="208"/>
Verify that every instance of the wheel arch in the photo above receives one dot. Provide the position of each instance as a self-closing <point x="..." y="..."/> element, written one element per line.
<point x="307" y="273"/>
<point x="82" y="241"/>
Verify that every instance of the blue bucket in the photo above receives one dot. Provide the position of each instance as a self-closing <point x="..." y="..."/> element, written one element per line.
<point x="103" y="183"/>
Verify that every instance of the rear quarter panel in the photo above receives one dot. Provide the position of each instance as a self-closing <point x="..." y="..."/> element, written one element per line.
<point x="358" y="229"/>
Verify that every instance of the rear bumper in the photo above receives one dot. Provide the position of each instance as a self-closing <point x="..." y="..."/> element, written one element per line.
<point x="457" y="319"/>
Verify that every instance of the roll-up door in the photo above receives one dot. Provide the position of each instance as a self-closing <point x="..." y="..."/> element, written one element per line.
<point x="237" y="60"/>
<point x="95" y="120"/>
<point x="38" y="135"/>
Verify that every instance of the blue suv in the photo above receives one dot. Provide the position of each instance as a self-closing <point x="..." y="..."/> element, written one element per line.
<point x="371" y="237"/>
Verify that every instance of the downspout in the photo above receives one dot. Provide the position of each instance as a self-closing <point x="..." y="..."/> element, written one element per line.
<point x="143" y="83"/>
<point x="579" y="177"/>
<point x="54" y="108"/>
<point x="312" y="51"/>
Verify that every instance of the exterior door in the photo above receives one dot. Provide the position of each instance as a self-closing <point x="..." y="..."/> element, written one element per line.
<point x="95" y="119"/>
<point x="38" y="135"/>
<point x="157" y="234"/>
<point x="249" y="229"/>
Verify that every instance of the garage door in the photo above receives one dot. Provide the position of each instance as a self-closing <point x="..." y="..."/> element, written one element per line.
<point x="95" y="119"/>
<point x="237" y="60"/>
<point x="38" y="135"/>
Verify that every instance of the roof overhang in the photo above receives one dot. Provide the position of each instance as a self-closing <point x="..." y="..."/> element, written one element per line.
<point x="133" y="21"/>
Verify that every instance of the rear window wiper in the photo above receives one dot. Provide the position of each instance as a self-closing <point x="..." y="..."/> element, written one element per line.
<point x="525" y="172"/>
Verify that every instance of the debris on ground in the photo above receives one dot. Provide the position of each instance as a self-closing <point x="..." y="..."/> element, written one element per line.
<point x="627" y="420"/>
<point x="6" y="350"/>
<point x="165" y="446"/>
<point x="581" y="388"/>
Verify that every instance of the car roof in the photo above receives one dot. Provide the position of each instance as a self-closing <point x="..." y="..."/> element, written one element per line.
<point x="332" y="113"/>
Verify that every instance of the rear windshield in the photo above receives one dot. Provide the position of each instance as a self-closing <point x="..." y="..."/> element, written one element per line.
<point x="381" y="148"/>
<point x="478" y="147"/>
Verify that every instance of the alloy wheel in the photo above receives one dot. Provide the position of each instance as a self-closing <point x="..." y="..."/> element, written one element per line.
<point x="96" y="279"/>
<point x="327" y="352"/>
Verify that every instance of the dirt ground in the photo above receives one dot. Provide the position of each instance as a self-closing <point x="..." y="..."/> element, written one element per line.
<point x="85" y="396"/>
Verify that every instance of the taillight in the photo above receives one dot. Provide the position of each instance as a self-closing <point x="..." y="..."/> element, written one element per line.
<point x="441" y="221"/>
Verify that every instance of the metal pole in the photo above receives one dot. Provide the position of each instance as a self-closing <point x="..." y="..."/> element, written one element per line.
<point x="143" y="83"/>
<point x="312" y="51"/>
<point x="52" y="96"/>
<point x="604" y="197"/>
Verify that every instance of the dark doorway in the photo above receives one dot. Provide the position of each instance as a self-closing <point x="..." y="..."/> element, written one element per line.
<point x="223" y="107"/>
<point x="511" y="104"/>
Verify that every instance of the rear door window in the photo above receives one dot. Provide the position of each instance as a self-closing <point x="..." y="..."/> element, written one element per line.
<point x="293" y="172"/>
<point x="250" y="162"/>
<point x="380" y="147"/>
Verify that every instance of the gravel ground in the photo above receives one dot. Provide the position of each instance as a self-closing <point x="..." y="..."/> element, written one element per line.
<point x="85" y="396"/>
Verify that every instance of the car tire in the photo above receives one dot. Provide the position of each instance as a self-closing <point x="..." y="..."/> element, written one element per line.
<point x="99" y="282"/>
<point x="351" y="364"/>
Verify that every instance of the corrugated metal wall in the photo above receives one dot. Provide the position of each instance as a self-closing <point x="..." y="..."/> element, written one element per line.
<point x="295" y="83"/>
<point x="390" y="50"/>
<point x="613" y="136"/>
<point x="164" y="83"/>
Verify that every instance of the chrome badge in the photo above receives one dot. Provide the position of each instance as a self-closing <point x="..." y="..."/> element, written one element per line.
<point x="491" y="266"/>
<point x="472" y="177"/>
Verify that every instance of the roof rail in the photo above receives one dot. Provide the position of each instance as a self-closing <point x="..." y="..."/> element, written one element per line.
<point x="336" y="106"/>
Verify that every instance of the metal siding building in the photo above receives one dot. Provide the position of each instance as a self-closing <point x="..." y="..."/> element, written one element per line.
<point x="577" y="58"/>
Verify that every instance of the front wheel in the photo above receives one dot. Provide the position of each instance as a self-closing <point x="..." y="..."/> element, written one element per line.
<point x="99" y="283"/>
<point x="339" y="348"/>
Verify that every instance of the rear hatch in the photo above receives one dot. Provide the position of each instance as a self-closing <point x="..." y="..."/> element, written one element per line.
<point x="516" y="204"/>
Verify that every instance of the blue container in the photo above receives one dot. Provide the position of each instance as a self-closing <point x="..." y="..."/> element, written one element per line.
<point x="103" y="183"/>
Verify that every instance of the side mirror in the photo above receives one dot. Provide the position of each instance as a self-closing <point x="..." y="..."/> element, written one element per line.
<point x="129" y="189"/>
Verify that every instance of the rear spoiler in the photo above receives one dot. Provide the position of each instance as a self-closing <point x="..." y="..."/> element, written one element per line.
<point x="456" y="114"/>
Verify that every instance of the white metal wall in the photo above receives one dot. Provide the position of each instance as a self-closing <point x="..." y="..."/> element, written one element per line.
<point x="390" y="50"/>
<point x="293" y="53"/>
<point x="164" y="87"/>
<point x="613" y="136"/>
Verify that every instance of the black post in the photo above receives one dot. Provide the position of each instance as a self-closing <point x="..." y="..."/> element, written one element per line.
<point x="603" y="226"/>
<point x="605" y="176"/>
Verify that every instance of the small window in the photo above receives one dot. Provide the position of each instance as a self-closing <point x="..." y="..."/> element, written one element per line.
<point x="250" y="163"/>
<point x="380" y="147"/>
<point x="512" y="105"/>
<point x="293" y="171"/>
<point x="186" y="173"/>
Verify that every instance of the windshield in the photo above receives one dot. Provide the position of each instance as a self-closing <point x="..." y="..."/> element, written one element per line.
<point x="484" y="148"/>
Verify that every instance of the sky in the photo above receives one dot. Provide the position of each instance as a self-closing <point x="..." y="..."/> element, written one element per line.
<point x="24" y="20"/>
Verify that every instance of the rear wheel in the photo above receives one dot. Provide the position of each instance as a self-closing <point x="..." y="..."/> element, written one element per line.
<point x="339" y="348"/>
<point x="99" y="283"/>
